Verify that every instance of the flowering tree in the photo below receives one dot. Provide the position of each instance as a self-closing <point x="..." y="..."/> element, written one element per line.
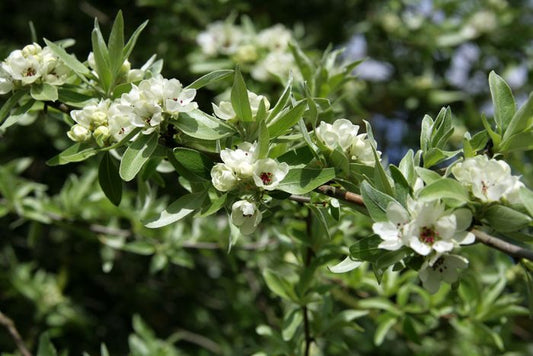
<point x="288" y="168"/>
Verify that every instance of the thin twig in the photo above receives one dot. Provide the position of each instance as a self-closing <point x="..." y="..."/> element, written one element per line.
<point x="503" y="246"/>
<point x="199" y="340"/>
<point x="11" y="328"/>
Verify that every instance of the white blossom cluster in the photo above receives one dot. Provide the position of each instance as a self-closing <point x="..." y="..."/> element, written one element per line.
<point x="146" y="106"/>
<point x="489" y="180"/>
<point x="32" y="64"/>
<point x="342" y="134"/>
<point x="430" y="230"/>
<point x="265" y="54"/>
<point x="241" y="167"/>
<point x="224" y="109"/>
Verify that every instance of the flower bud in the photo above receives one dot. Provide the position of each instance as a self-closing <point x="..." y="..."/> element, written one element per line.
<point x="79" y="133"/>
<point x="245" y="216"/>
<point x="223" y="177"/>
<point x="101" y="134"/>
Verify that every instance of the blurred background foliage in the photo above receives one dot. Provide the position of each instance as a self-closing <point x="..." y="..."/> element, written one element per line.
<point x="88" y="273"/>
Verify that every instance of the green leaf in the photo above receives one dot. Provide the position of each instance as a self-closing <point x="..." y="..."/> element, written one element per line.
<point x="137" y="154"/>
<point x="278" y="284"/>
<point x="282" y="101"/>
<point x="444" y="188"/>
<point x="381" y="178"/>
<point x="401" y="187"/>
<point x="263" y="140"/>
<point x="522" y="141"/>
<point x="304" y="180"/>
<point x="366" y="249"/>
<point x="212" y="208"/>
<point x="504" y="219"/>
<point x="290" y="324"/>
<point x="284" y="122"/>
<point x="46" y="348"/>
<point x="116" y="44"/>
<point x="503" y="101"/>
<point x="521" y="120"/>
<point x="194" y="161"/>
<point x="177" y="210"/>
<point x="375" y="201"/>
<point x="131" y="42"/>
<point x="435" y="156"/>
<point x="239" y="98"/>
<point x="385" y="324"/>
<point x="526" y="196"/>
<point x="75" y="153"/>
<point x="101" y="57"/>
<point x="407" y="167"/>
<point x="210" y="78"/>
<point x="200" y="125"/>
<point x="70" y="61"/>
<point x="427" y="175"/>
<point x="303" y="62"/>
<point x="44" y="92"/>
<point x="109" y="179"/>
<point x="140" y="248"/>
<point x="10" y="104"/>
<point x="425" y="133"/>
<point x="345" y="265"/>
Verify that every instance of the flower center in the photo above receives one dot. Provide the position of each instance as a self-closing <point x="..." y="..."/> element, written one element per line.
<point x="428" y="235"/>
<point x="30" y="72"/>
<point x="266" y="177"/>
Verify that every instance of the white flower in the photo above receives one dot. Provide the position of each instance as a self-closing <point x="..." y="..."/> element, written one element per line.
<point x="245" y="216"/>
<point x="168" y="93"/>
<point x="240" y="160"/>
<point x="424" y="227"/>
<point x="223" y="177"/>
<point x="339" y="134"/>
<point x="344" y="135"/>
<point x="220" y="38"/>
<point x="25" y="69"/>
<point x="441" y="268"/>
<point x="92" y="115"/>
<point x="435" y="229"/>
<point x="268" y="173"/>
<point x="275" y="64"/>
<point x="120" y="121"/>
<point x="6" y="82"/>
<point x="275" y="38"/>
<point x="489" y="180"/>
<point x="391" y="231"/>
<point x="224" y="110"/>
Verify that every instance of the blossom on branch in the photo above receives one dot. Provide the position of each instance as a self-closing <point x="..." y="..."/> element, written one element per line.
<point x="424" y="227"/>
<point x="441" y="268"/>
<point x="489" y="180"/>
<point x="245" y="216"/>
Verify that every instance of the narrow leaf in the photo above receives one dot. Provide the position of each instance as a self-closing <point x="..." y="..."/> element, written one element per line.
<point x="200" y="125"/>
<point x="503" y="101"/>
<point x="210" y="78"/>
<point x="444" y="188"/>
<point x="284" y="122"/>
<point x="239" y="98"/>
<point x="10" y="104"/>
<point x="75" y="153"/>
<point x="304" y="180"/>
<point x="109" y="179"/>
<point x="137" y="154"/>
<point x="177" y="210"/>
<point x="116" y="44"/>
<point x="70" y="61"/>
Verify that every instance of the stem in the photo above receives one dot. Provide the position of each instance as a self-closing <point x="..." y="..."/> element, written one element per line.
<point x="307" y="262"/>
<point x="11" y="328"/>
<point x="481" y="236"/>
<point x="503" y="246"/>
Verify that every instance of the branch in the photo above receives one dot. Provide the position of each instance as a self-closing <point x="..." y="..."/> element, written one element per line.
<point x="481" y="236"/>
<point x="10" y="326"/>
<point x="503" y="246"/>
